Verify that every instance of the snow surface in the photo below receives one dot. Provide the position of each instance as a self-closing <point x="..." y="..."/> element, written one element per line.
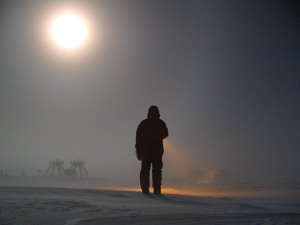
<point x="67" y="206"/>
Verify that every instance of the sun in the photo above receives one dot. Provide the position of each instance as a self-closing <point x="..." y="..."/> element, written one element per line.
<point x="69" y="31"/>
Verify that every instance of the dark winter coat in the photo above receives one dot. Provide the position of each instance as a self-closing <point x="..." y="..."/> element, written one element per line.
<point x="150" y="134"/>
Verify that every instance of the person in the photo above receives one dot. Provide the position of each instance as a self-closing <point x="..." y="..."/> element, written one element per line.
<point x="149" y="144"/>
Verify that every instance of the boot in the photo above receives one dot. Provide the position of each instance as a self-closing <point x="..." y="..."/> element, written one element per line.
<point x="145" y="191"/>
<point x="157" y="192"/>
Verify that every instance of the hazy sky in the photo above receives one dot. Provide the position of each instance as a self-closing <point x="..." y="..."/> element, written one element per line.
<point x="225" y="75"/>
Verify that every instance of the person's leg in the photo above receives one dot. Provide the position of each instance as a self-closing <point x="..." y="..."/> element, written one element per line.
<point x="157" y="166"/>
<point x="144" y="175"/>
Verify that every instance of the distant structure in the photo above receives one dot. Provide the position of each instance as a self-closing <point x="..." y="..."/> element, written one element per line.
<point x="77" y="165"/>
<point x="77" y="168"/>
<point x="70" y="172"/>
<point x="55" y="168"/>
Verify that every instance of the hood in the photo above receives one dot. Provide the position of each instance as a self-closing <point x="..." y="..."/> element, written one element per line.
<point x="153" y="112"/>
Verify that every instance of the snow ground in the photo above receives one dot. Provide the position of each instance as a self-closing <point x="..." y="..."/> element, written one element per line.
<point x="66" y="206"/>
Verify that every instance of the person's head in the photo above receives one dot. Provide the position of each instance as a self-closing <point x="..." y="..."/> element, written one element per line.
<point x="153" y="112"/>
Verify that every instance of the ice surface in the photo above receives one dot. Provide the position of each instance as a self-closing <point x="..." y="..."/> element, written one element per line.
<point x="67" y="206"/>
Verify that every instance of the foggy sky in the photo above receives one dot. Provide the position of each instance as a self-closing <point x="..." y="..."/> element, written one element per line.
<point x="225" y="75"/>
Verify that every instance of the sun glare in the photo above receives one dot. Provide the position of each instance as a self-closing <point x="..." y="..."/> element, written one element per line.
<point x="69" y="31"/>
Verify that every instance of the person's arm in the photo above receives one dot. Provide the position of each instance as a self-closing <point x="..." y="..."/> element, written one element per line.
<point x="137" y="144"/>
<point x="137" y="137"/>
<point x="139" y="134"/>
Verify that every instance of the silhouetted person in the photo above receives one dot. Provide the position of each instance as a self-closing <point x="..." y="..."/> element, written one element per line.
<point x="149" y="143"/>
